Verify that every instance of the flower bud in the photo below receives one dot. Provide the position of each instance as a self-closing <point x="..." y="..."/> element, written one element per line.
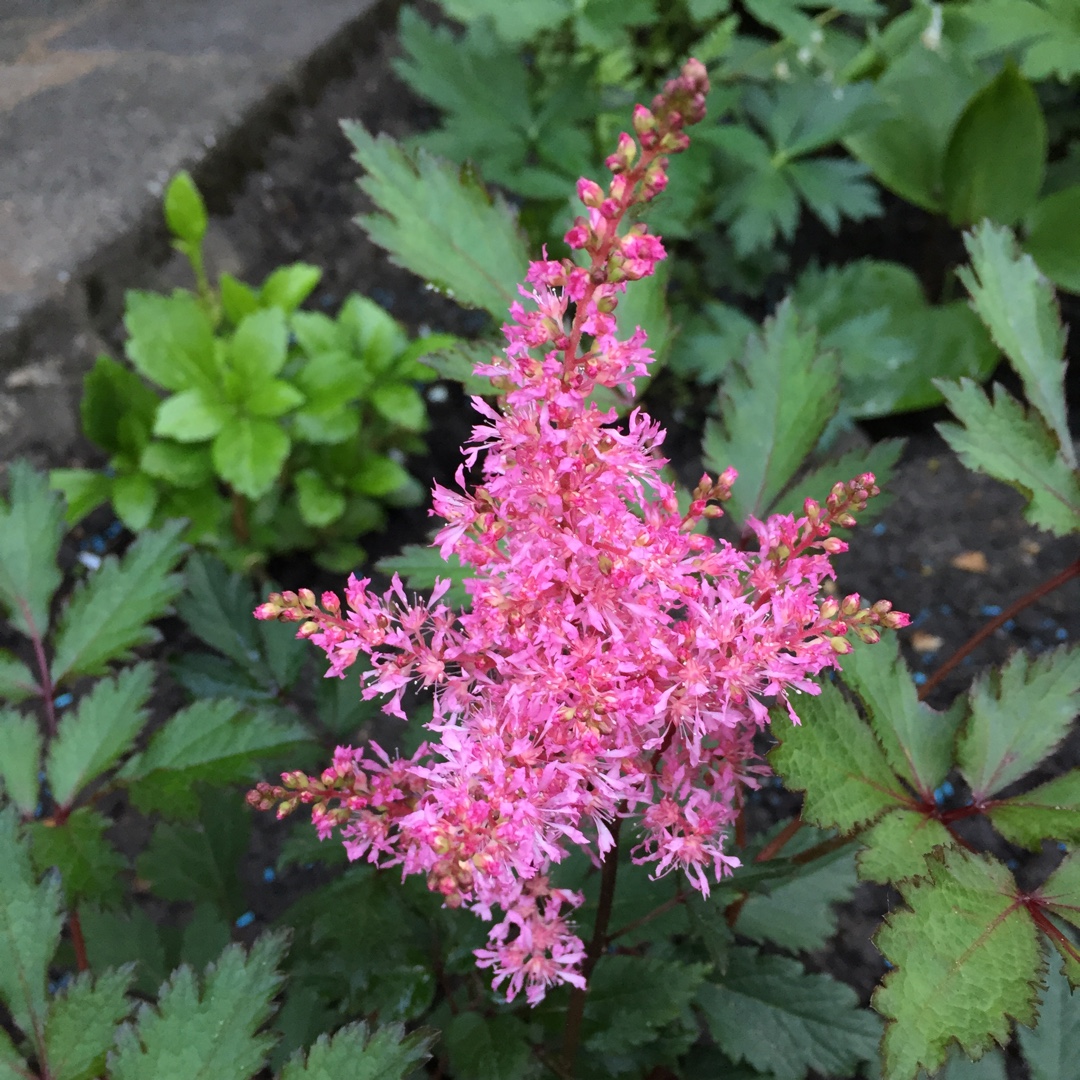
<point x="850" y="604"/>
<point x="840" y="645"/>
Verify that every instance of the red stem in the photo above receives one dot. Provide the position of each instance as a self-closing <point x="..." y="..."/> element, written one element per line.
<point x="77" y="940"/>
<point x="1010" y="612"/>
<point x="46" y="687"/>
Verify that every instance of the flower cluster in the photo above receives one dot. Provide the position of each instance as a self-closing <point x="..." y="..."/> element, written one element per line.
<point x="615" y="661"/>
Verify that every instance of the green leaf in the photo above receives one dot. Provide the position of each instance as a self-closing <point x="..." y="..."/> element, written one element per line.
<point x="200" y="862"/>
<point x="712" y="338"/>
<point x="401" y="404"/>
<point x="420" y="566"/>
<point x="967" y="960"/>
<point x="379" y="476"/>
<point x="185" y="211"/>
<point x="317" y="333"/>
<point x="835" y="758"/>
<point x="82" y="1022"/>
<point x="373" y="332"/>
<point x="258" y="349"/>
<point x="440" y="223"/>
<point x="90" y="867"/>
<point x="205" y="1028"/>
<point x="171" y="340"/>
<point x="250" y="453"/>
<point x="514" y="24"/>
<point x="980" y="180"/>
<point x="897" y="846"/>
<point x="17" y="682"/>
<point x="1049" y="812"/>
<point x="20" y="757"/>
<point x="237" y="298"/>
<point x="1053" y="1048"/>
<point x="836" y="188"/>
<point x="192" y="416"/>
<point x="773" y="412"/>
<point x="134" y="498"/>
<point x="1018" y="716"/>
<point x="289" y="286"/>
<point x="29" y="930"/>
<point x="320" y="504"/>
<point x="83" y="490"/>
<point x="1046" y="31"/>
<point x="214" y="740"/>
<point x="206" y="934"/>
<point x="113" y="939"/>
<point x="1050" y="227"/>
<point x="1004" y="440"/>
<point x="917" y="740"/>
<point x="117" y="407"/>
<point x="799" y="915"/>
<point x="769" y="1012"/>
<point x="273" y="398"/>
<point x="631" y="998"/>
<point x="181" y="465"/>
<point x="108" y="614"/>
<point x="1061" y="896"/>
<point x="1019" y="309"/>
<point x="92" y="739"/>
<point x="456" y="364"/>
<point x="482" y="1048"/>
<point x="352" y="1054"/>
<point x="31" y="523"/>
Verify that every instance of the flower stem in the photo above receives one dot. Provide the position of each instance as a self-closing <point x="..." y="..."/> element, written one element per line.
<point x="576" y="1010"/>
<point x="1010" y="612"/>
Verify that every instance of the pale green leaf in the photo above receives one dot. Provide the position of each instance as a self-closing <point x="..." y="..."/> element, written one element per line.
<point x="1049" y="812"/>
<point x="92" y="739"/>
<point x="171" y="340"/>
<point x="109" y="613"/>
<point x="272" y="399"/>
<point x="20" y="757"/>
<point x="1061" y="891"/>
<point x="205" y="1029"/>
<point x="83" y="490"/>
<point x="352" y="1054"/>
<point x="320" y="504"/>
<point x="437" y="221"/>
<point x="967" y="960"/>
<point x="834" y="757"/>
<point x="258" y="349"/>
<point x="1003" y="440"/>
<point x="192" y="416"/>
<point x="288" y="287"/>
<point x="178" y="464"/>
<point x="1019" y="308"/>
<point x="772" y="413"/>
<point x="897" y="846"/>
<point x="1018" y="715"/>
<point x="250" y="453"/>
<point x="31" y="523"/>
<point x="769" y="1012"/>
<point x="375" y="335"/>
<point x="134" y="498"/>
<point x="917" y="740"/>
<point x="401" y="404"/>
<point x="82" y="1023"/>
<point x="185" y="211"/>
<point x="29" y="930"/>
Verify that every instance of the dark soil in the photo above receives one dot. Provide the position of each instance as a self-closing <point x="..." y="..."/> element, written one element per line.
<point x="951" y="548"/>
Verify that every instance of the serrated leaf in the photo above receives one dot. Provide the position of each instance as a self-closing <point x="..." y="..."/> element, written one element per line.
<point x="1010" y="444"/>
<point x="258" y="349"/>
<point x="182" y="465"/>
<point x="94" y="737"/>
<point x="834" y="757"/>
<point x="207" y="933"/>
<point x="29" y="930"/>
<point x="17" y="682"/>
<point x="320" y="504"/>
<point x="982" y="182"/>
<point x="185" y="211"/>
<point x="773" y="413"/>
<point x="108" y="614"/>
<point x="1049" y="812"/>
<point x="456" y="364"/>
<point x="114" y="939"/>
<point x="1018" y="715"/>
<point x="1061" y="892"/>
<point x="89" y="866"/>
<point x="31" y="523"/>
<point x="171" y="340"/>
<point x="374" y="334"/>
<point x="420" y="566"/>
<point x="967" y="960"/>
<point x="401" y="404"/>
<point x="1019" y="309"/>
<point x="250" y="453"/>
<point x="897" y="846"/>
<point x="117" y="408"/>
<point x="917" y="740"/>
<point x="1053" y="1048"/>
<point x="216" y="740"/>
<point x="769" y="1012"/>
<point x="836" y="188"/>
<point x="204" y="1028"/>
<point x="82" y="1022"/>
<point x="20" y="757"/>
<point x="352" y="1054"/>
<point x="1050" y="227"/>
<point x="799" y="915"/>
<point x="192" y="416"/>
<point x="83" y="490"/>
<point x="200" y="862"/>
<point x="482" y="1048"/>
<point x="216" y="606"/>
<point x="1046" y="31"/>
<point x="440" y="223"/>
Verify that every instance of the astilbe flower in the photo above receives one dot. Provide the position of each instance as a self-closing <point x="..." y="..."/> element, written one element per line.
<point x="615" y="661"/>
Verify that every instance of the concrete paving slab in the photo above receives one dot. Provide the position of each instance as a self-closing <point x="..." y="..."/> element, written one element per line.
<point x="102" y="100"/>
